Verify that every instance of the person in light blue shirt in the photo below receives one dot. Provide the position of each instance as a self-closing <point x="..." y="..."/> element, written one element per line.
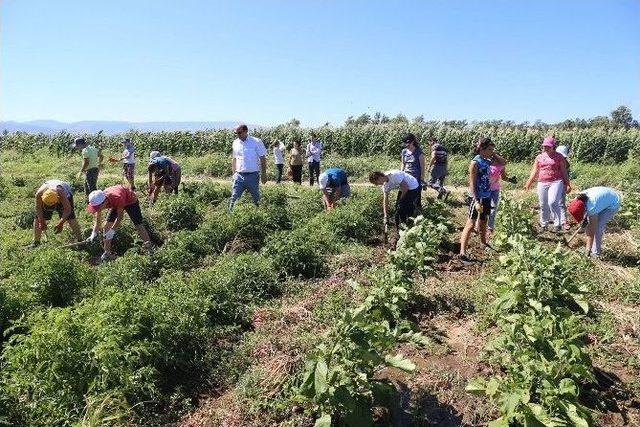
<point x="596" y="206"/>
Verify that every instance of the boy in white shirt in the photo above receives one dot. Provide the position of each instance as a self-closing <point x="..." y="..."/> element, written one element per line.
<point x="278" y="156"/>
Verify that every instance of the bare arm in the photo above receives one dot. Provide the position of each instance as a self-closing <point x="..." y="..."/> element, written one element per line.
<point x="233" y="165"/>
<point x="85" y="164"/>
<point x="118" y="220"/>
<point x="325" y="199"/>
<point x="39" y="211"/>
<point x="473" y="174"/>
<point x="97" y="222"/>
<point x="565" y="176"/>
<point x="532" y="175"/>
<point x="422" y="169"/>
<point x="433" y="159"/>
<point x="385" y="204"/>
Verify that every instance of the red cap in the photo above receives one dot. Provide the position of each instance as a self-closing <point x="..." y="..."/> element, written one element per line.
<point x="577" y="209"/>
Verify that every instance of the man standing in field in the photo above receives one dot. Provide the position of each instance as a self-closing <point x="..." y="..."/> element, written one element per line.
<point x="91" y="164"/>
<point x="333" y="183"/>
<point x="249" y="165"/>
<point x="314" y="150"/>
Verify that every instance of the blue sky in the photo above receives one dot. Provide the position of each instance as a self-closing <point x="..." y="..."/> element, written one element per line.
<point x="267" y="61"/>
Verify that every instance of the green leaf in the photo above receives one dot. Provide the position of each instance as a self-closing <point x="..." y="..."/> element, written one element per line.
<point x="477" y="386"/>
<point x="323" y="421"/>
<point x="500" y="422"/>
<point x="400" y="362"/>
<point x="320" y="377"/>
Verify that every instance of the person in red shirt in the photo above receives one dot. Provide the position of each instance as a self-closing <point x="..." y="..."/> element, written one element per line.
<point x="117" y="199"/>
<point x="550" y="169"/>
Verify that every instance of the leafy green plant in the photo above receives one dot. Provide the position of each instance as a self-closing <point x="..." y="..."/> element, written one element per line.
<point x="24" y="220"/>
<point x="539" y="312"/>
<point x="182" y="213"/>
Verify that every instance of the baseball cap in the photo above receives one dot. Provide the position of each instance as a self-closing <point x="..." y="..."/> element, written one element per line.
<point x="577" y="209"/>
<point x="153" y="155"/>
<point x="125" y="140"/>
<point x="549" y="141"/>
<point x="50" y="197"/>
<point x="564" y="150"/>
<point x="96" y="198"/>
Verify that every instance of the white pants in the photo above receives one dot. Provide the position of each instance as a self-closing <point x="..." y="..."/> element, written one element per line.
<point x="550" y="196"/>
<point x="603" y="217"/>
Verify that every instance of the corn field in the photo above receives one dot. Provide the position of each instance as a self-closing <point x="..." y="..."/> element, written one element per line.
<point x="608" y="145"/>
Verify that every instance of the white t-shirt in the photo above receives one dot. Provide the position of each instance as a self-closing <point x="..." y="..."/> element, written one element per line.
<point x="129" y="155"/>
<point x="248" y="153"/>
<point x="314" y="149"/>
<point x="278" y="154"/>
<point x="54" y="183"/>
<point x="396" y="177"/>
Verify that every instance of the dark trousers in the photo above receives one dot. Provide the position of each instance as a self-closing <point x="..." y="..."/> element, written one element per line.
<point x="314" y="167"/>
<point x="296" y="173"/>
<point x="90" y="180"/>
<point x="406" y="206"/>
<point x="279" y="166"/>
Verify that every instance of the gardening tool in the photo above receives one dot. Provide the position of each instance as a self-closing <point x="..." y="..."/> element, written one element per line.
<point x="293" y="196"/>
<point x="385" y="233"/>
<point x="74" y="244"/>
<point x="581" y="226"/>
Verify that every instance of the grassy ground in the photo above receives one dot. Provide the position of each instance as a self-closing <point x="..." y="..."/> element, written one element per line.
<point x="450" y="308"/>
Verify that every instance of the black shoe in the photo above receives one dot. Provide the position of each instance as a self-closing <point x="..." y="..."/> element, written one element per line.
<point x="465" y="260"/>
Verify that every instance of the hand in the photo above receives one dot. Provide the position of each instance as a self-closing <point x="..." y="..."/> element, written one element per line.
<point x="568" y="188"/>
<point x="113" y="160"/>
<point x="527" y="186"/>
<point x="92" y="237"/>
<point x="478" y="206"/>
<point x="58" y="228"/>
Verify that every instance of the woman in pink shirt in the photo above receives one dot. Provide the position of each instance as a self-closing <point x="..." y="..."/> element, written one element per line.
<point x="550" y="169"/>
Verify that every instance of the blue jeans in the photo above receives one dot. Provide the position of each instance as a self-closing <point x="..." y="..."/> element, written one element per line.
<point x="495" y="199"/>
<point x="242" y="181"/>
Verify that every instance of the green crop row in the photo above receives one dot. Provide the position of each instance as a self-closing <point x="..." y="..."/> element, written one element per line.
<point x="134" y="341"/>
<point x="539" y="350"/>
<point x="339" y="382"/>
<point x="516" y="142"/>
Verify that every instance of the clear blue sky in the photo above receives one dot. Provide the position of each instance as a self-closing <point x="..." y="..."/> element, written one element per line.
<point x="267" y="61"/>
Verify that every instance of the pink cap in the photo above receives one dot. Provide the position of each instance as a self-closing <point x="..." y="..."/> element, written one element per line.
<point x="549" y="141"/>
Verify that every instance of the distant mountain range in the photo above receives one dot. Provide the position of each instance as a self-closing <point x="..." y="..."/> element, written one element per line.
<point x="110" y="127"/>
